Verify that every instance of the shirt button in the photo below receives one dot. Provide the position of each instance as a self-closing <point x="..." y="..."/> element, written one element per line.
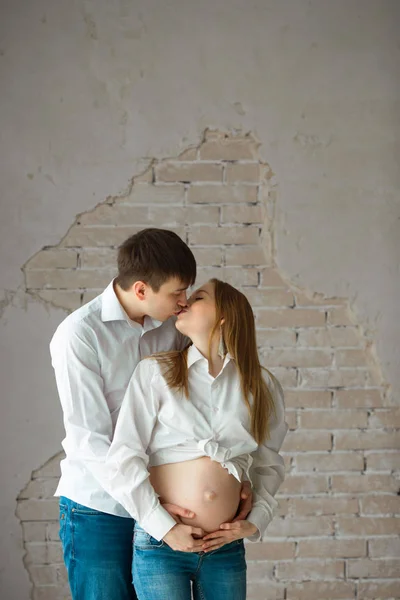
<point x="216" y="409"/>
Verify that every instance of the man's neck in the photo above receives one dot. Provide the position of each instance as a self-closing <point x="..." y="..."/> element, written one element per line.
<point x="125" y="300"/>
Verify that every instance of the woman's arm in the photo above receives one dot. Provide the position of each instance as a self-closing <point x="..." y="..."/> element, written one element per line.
<point x="267" y="472"/>
<point x="127" y="459"/>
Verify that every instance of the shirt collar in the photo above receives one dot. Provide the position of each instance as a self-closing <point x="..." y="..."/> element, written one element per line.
<point x="112" y="310"/>
<point x="195" y="355"/>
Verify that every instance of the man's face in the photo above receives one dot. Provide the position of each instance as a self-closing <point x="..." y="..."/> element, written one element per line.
<point x="168" y="301"/>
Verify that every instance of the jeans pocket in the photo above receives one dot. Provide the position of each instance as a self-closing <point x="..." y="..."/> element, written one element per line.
<point x="144" y="541"/>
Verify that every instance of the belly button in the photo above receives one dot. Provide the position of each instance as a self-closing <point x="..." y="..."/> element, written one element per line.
<point x="209" y="496"/>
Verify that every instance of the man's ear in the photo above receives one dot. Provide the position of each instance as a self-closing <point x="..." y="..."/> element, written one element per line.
<point x="139" y="288"/>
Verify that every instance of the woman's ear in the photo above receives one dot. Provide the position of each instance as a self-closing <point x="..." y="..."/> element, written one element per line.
<point x="222" y="321"/>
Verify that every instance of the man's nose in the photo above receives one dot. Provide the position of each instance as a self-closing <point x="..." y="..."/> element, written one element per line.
<point x="183" y="300"/>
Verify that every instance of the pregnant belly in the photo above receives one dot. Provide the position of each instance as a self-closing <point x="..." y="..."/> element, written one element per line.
<point x="201" y="485"/>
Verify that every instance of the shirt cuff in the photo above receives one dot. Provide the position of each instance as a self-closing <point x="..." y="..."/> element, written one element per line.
<point x="158" y="523"/>
<point x="261" y="520"/>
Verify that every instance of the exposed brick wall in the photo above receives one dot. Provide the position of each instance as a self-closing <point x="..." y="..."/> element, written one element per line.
<point x="336" y="535"/>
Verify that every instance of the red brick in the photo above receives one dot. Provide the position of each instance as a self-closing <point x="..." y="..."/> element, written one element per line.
<point x="302" y="441"/>
<point x="272" y="278"/>
<point x="356" y="440"/>
<point x="383" y="461"/>
<point x="330" y="337"/>
<point x="373" y="568"/>
<point x="204" y="235"/>
<point x="294" y="357"/>
<point x="333" y="548"/>
<point x="322" y="378"/>
<point x="368" y="398"/>
<point x="301" y="526"/>
<point x="388" y="418"/>
<point x="271" y="550"/>
<point x="289" y="317"/>
<point x="340" y="316"/>
<point x="304" y="484"/>
<point x="268" y="297"/>
<point x="351" y="358"/>
<point x="301" y="570"/>
<point x="323" y="506"/>
<point x="188" y="172"/>
<point x="330" y="461"/>
<point x="316" y="590"/>
<point x="385" y="504"/>
<point x="367" y="526"/>
<point x="386" y="546"/>
<point x="308" y="399"/>
<point x="333" y="419"/>
<point x="364" y="483"/>
<point x="378" y="590"/>
<point x="221" y="194"/>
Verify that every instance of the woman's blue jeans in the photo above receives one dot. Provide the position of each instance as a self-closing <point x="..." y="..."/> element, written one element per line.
<point x="160" y="573"/>
<point x="97" y="552"/>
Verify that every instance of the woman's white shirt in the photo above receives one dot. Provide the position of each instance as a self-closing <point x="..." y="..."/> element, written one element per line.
<point x="158" y="425"/>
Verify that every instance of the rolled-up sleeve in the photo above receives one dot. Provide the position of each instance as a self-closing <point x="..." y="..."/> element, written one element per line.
<point x="127" y="459"/>
<point x="268" y="469"/>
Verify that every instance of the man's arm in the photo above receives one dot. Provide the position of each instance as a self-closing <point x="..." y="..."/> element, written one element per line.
<point x="268" y="469"/>
<point x="87" y="418"/>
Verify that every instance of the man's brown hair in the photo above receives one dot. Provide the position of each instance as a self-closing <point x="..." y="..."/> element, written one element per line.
<point x="154" y="256"/>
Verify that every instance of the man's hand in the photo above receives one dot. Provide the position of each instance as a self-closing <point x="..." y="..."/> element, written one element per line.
<point x="177" y="512"/>
<point x="227" y="533"/>
<point x="246" y="502"/>
<point x="180" y="537"/>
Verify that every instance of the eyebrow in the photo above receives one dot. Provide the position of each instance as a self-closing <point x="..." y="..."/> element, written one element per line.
<point x="203" y="291"/>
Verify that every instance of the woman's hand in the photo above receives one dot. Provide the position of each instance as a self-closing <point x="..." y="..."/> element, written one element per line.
<point x="227" y="533"/>
<point x="180" y="537"/>
<point x="246" y="502"/>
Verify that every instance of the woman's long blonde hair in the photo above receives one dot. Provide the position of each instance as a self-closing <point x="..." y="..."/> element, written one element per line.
<point x="239" y="336"/>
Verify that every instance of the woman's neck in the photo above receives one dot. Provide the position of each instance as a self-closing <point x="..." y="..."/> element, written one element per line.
<point x="215" y="362"/>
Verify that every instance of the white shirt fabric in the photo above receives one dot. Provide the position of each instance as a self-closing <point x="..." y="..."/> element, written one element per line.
<point x="94" y="352"/>
<point x="158" y="425"/>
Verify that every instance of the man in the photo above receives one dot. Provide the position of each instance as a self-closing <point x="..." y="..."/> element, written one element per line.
<point x="94" y="353"/>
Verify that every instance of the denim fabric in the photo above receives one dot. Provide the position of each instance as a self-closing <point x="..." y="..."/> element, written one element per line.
<point x="97" y="552"/>
<point x="160" y="573"/>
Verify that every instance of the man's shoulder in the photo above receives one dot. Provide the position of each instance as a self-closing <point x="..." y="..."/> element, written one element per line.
<point x="83" y="319"/>
<point x="168" y="327"/>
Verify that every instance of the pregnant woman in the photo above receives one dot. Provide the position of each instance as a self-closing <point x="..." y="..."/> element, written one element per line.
<point x="193" y="426"/>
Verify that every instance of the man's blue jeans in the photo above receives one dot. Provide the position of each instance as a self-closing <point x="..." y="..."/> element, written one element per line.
<point x="97" y="552"/>
<point x="160" y="573"/>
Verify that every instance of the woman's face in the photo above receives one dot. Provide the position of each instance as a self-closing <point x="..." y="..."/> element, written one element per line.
<point x="198" y="318"/>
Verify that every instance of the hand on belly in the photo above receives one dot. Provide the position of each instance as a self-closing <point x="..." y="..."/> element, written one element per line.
<point x="202" y="486"/>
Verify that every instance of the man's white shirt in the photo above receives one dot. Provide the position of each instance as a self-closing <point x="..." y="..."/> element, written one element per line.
<point x="94" y="352"/>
